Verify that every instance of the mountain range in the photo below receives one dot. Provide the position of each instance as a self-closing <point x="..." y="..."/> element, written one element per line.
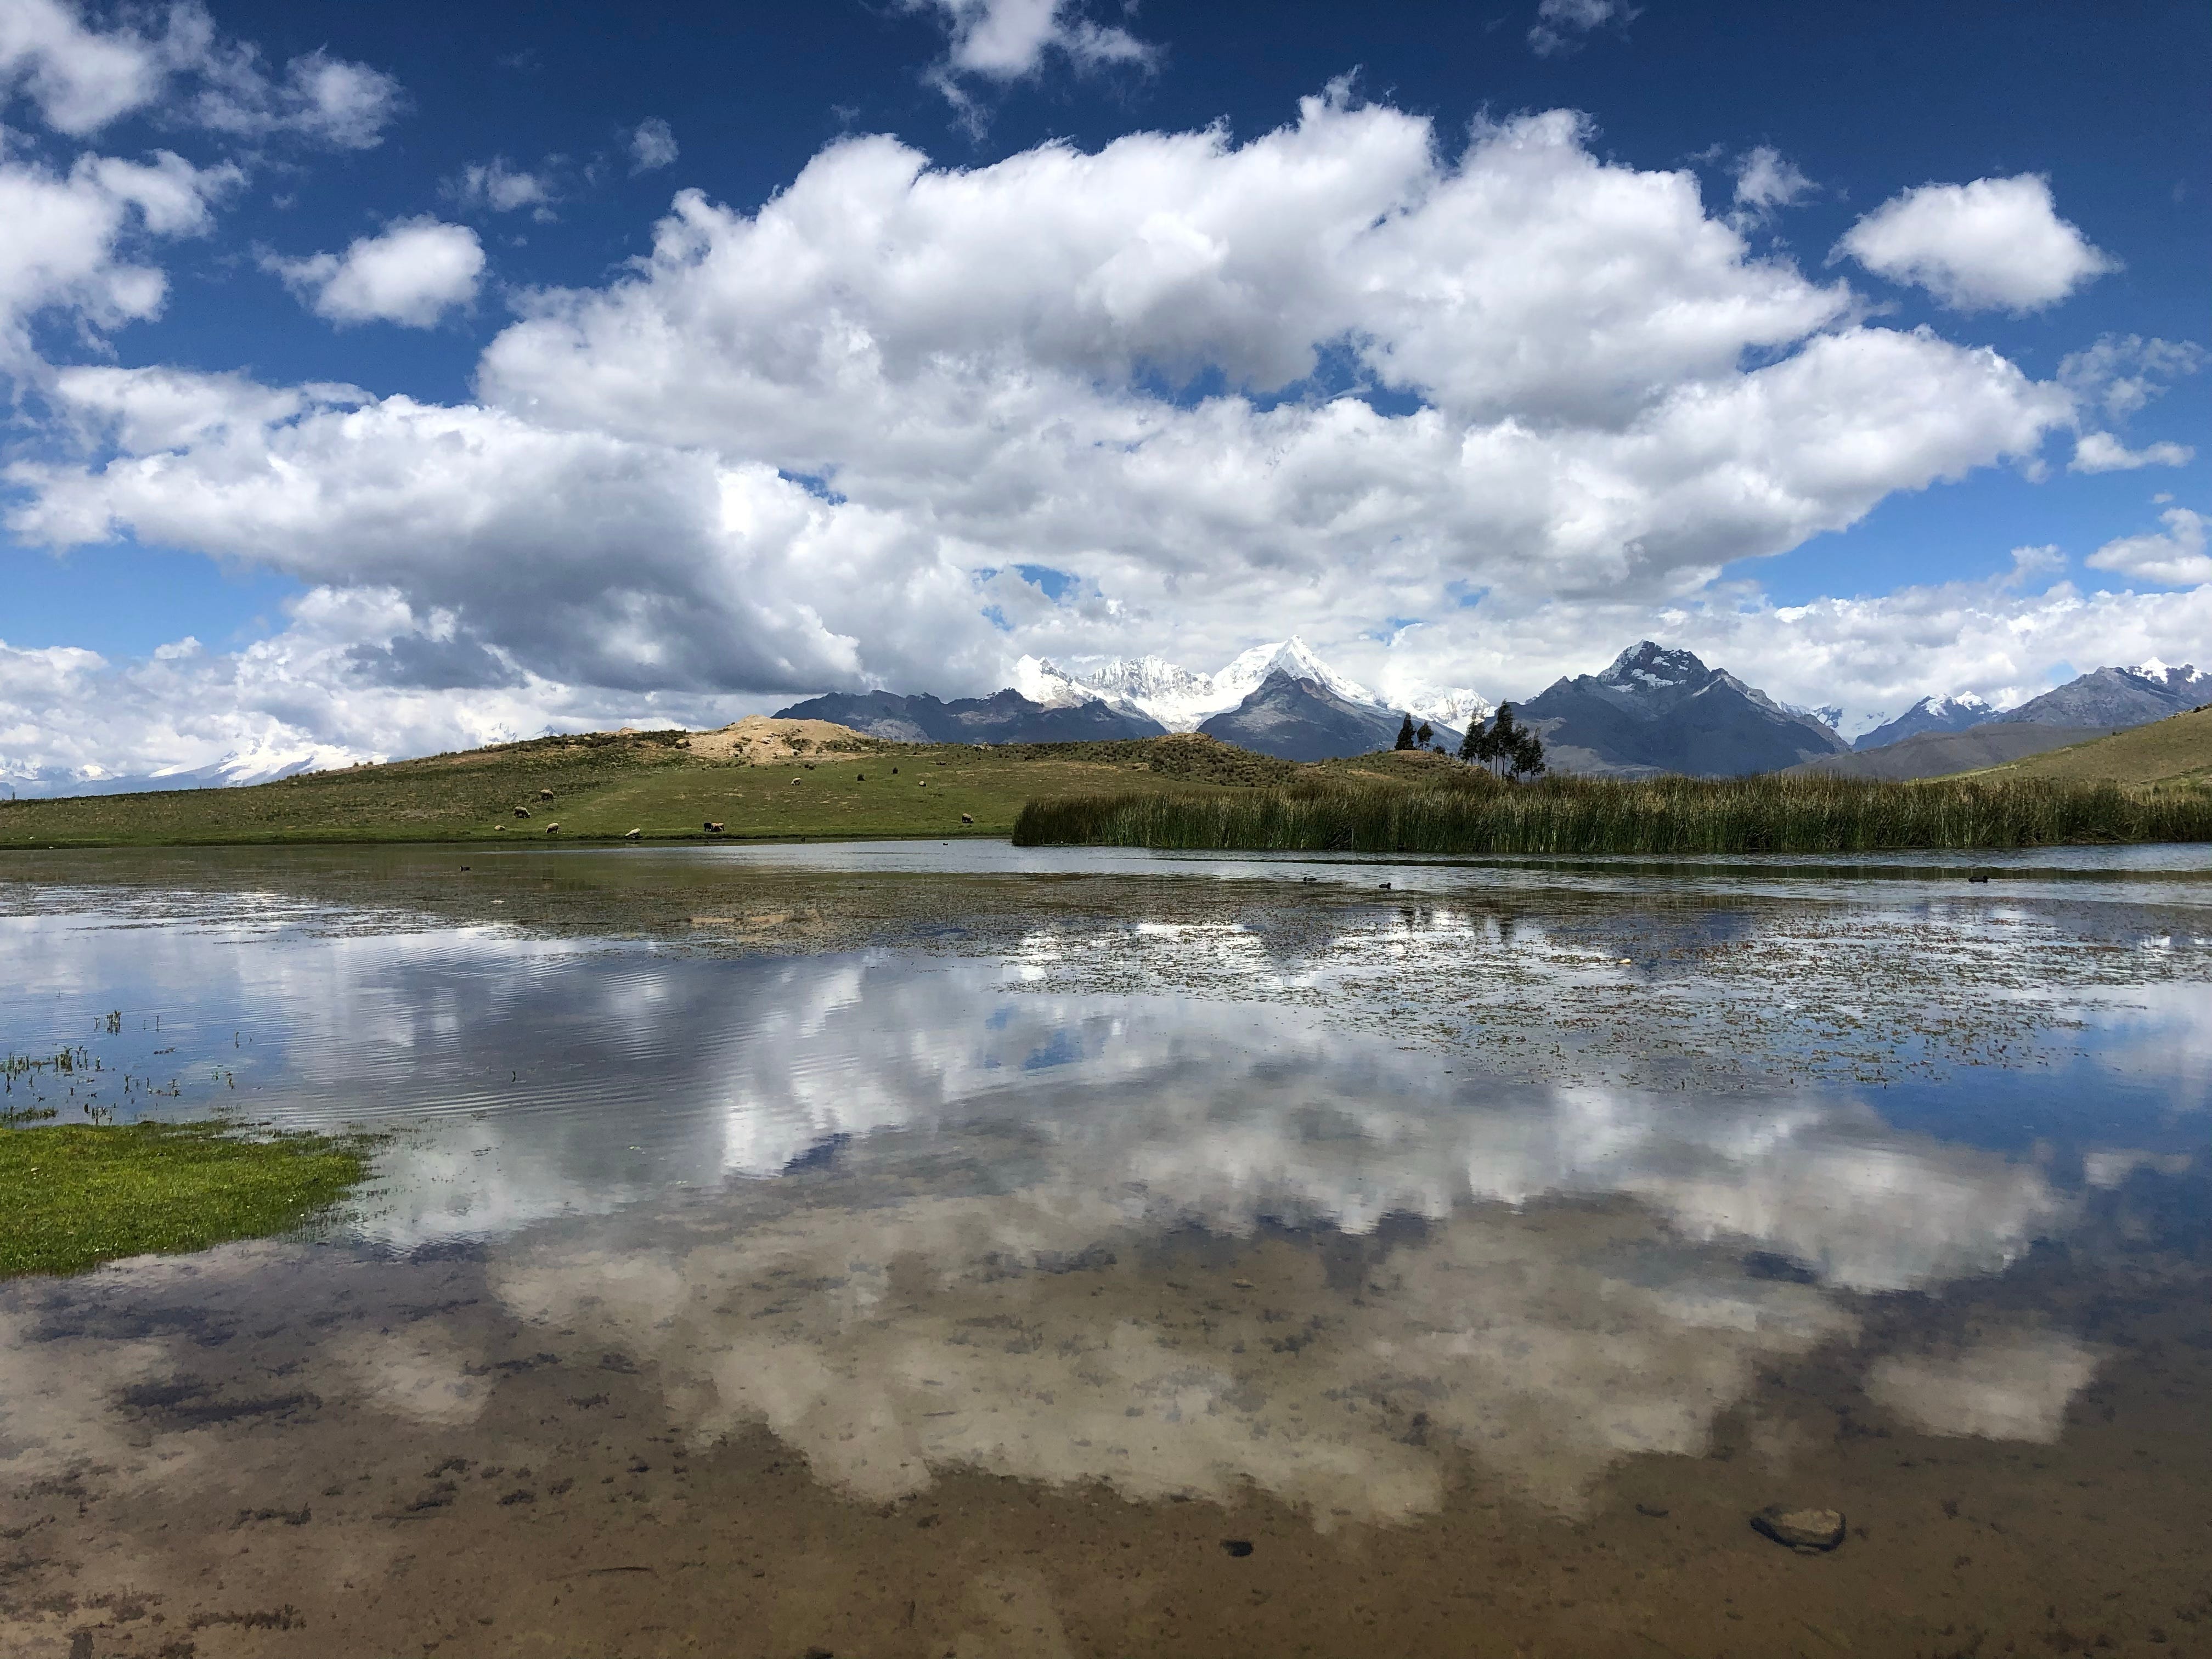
<point x="1179" y="700"/>
<point x="1651" y="710"/>
<point x="1278" y="699"/>
<point x="240" y="767"/>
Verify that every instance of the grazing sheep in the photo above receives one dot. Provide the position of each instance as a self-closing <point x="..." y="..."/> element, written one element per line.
<point x="967" y="817"/>
<point x="924" y="784"/>
<point x="714" y="826"/>
<point x="545" y="794"/>
<point x="552" y="828"/>
<point x="632" y="835"/>
<point x="522" y="812"/>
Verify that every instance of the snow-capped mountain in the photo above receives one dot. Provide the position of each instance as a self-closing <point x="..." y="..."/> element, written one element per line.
<point x="262" y="762"/>
<point x="1656" y="710"/>
<point x="1445" y="705"/>
<point x="1183" y="699"/>
<point x="2116" y="698"/>
<point x="1955" y="711"/>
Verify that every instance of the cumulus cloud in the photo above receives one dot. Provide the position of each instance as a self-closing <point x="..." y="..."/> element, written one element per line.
<point x="73" y="238"/>
<point x="498" y="186"/>
<point x="1560" y="25"/>
<point x="1996" y="244"/>
<point x="412" y="273"/>
<point x="1765" y="180"/>
<point x="652" y="145"/>
<point x="815" y="445"/>
<point x="2120" y="373"/>
<point x="2175" y="558"/>
<point x="81" y="76"/>
<point x="2100" y="451"/>
<point x="1003" y="41"/>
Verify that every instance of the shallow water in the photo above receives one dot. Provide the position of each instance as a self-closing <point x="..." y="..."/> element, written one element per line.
<point x="965" y="1249"/>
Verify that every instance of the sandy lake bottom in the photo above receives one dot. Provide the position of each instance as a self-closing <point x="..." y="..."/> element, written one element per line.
<point x="930" y="1251"/>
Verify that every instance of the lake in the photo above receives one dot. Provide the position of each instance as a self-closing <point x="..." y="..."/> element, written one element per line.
<point x="958" y="1250"/>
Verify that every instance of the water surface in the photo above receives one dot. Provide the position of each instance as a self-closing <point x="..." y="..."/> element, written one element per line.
<point x="964" y="1250"/>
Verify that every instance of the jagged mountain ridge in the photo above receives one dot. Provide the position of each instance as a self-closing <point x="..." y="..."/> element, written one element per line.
<point x="1003" y="717"/>
<point x="1655" y="710"/>
<point x="1956" y="711"/>
<point x="238" y="768"/>
<point x="1183" y="700"/>
<point x="2116" y="697"/>
<point x="1297" y="718"/>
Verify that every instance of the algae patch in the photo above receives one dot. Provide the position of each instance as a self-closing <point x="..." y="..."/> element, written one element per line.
<point x="77" y="1194"/>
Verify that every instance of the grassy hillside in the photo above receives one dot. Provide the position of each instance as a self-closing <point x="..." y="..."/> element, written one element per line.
<point x="666" y="784"/>
<point x="2176" y="751"/>
<point x="1945" y="754"/>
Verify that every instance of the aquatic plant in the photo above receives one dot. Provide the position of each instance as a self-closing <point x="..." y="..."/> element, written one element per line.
<point x="1472" y="812"/>
<point x="78" y="1194"/>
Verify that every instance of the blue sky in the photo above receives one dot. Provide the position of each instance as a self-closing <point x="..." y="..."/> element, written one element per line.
<point x="1848" y="530"/>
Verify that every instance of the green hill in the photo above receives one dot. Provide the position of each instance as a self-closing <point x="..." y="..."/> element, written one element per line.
<point x="2177" y="749"/>
<point x="761" y="779"/>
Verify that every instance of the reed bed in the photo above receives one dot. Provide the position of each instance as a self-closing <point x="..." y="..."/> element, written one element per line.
<point x="1473" y="813"/>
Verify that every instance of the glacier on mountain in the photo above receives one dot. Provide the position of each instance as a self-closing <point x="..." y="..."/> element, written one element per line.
<point x="1183" y="699"/>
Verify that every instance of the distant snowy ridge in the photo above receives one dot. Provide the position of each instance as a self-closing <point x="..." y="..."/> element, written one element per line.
<point x="1183" y="699"/>
<point x="261" y="762"/>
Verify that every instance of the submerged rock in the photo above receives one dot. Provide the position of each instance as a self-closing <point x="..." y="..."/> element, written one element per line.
<point x="1804" y="1530"/>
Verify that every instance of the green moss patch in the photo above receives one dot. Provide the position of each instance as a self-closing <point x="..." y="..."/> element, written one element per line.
<point x="79" y="1195"/>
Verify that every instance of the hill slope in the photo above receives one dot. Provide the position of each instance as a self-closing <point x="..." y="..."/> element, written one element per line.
<point x="1940" y="754"/>
<point x="2174" y="751"/>
<point x="762" y="780"/>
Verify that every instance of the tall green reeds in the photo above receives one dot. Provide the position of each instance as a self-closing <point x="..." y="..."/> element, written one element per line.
<point x="1474" y="814"/>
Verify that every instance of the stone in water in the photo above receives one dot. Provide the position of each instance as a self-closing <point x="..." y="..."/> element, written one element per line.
<point x="1804" y="1530"/>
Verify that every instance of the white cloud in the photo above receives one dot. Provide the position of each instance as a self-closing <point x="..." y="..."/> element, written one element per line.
<point x="79" y="78"/>
<point x="1996" y="244"/>
<point x="2175" y="559"/>
<point x="71" y="239"/>
<point x="411" y="274"/>
<point x="1765" y="180"/>
<point x="82" y="77"/>
<point x="2100" y="451"/>
<point x="2122" y="373"/>
<point x="502" y="188"/>
<point x="1560" y="24"/>
<point x="1002" y="41"/>
<point x="783" y="453"/>
<point x="652" y="145"/>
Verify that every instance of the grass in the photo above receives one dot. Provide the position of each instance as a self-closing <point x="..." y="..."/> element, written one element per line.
<point x="1468" y="812"/>
<point x="78" y="1194"/>
<point x="2176" y="751"/>
<point x="606" y="784"/>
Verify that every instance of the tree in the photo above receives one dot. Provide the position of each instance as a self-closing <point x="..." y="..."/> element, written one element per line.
<point x="1528" y="754"/>
<point x="1405" y="733"/>
<point x="1504" y="743"/>
<point x="1421" y="738"/>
